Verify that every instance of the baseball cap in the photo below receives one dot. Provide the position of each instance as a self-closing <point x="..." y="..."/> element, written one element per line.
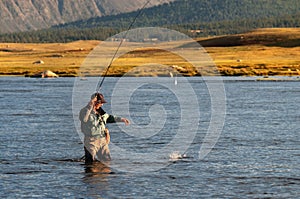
<point x="100" y="97"/>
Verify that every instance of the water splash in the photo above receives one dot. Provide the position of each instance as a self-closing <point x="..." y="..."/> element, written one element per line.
<point x="174" y="156"/>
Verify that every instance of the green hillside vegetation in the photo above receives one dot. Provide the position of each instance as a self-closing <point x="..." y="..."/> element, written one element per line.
<point x="197" y="18"/>
<point x="195" y="11"/>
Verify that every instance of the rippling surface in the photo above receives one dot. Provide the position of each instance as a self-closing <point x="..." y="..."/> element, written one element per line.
<point x="256" y="156"/>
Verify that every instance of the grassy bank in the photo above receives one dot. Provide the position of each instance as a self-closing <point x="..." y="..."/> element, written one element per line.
<point x="261" y="52"/>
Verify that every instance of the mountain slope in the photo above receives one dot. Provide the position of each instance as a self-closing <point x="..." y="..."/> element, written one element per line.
<point x="196" y="18"/>
<point x="23" y="15"/>
<point x="199" y="11"/>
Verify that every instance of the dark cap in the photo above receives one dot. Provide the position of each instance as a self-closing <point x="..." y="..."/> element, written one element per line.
<point x="100" y="97"/>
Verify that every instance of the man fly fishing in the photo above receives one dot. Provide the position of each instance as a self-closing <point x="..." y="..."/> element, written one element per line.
<point x="96" y="136"/>
<point x="93" y="118"/>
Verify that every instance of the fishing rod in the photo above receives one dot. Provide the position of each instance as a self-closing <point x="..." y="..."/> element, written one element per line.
<point x="100" y="83"/>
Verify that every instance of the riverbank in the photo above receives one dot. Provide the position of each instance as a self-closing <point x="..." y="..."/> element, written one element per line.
<point x="271" y="52"/>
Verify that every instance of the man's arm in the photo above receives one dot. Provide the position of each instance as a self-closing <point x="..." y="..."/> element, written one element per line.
<point x="114" y="119"/>
<point x="86" y="111"/>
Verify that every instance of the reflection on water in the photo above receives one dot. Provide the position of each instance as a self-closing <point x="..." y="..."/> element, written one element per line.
<point x="96" y="177"/>
<point x="98" y="169"/>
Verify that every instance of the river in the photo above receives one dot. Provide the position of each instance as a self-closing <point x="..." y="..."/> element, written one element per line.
<point x="255" y="153"/>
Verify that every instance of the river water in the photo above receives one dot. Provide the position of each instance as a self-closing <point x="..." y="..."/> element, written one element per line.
<point x="256" y="154"/>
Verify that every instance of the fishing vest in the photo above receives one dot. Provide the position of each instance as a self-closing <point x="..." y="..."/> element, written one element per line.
<point x="95" y="125"/>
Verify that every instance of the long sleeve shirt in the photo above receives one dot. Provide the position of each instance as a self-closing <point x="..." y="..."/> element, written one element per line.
<point x="93" y="122"/>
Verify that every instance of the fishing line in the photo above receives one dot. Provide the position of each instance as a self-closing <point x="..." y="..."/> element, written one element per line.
<point x="100" y="83"/>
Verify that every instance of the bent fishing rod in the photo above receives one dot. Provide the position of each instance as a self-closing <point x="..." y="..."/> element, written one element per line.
<point x="100" y="83"/>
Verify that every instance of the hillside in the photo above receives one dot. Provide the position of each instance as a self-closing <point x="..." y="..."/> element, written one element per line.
<point x="24" y="15"/>
<point x="276" y="37"/>
<point x="198" y="11"/>
<point x="266" y="57"/>
<point x="196" y="18"/>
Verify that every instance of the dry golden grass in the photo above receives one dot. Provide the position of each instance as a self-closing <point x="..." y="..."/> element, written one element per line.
<point x="64" y="59"/>
<point x="270" y="51"/>
<point x="275" y="52"/>
<point x="151" y="62"/>
<point x="257" y="60"/>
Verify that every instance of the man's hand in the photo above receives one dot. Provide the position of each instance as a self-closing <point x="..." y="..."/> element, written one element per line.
<point x="93" y="101"/>
<point x="107" y="136"/>
<point x="126" y="121"/>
